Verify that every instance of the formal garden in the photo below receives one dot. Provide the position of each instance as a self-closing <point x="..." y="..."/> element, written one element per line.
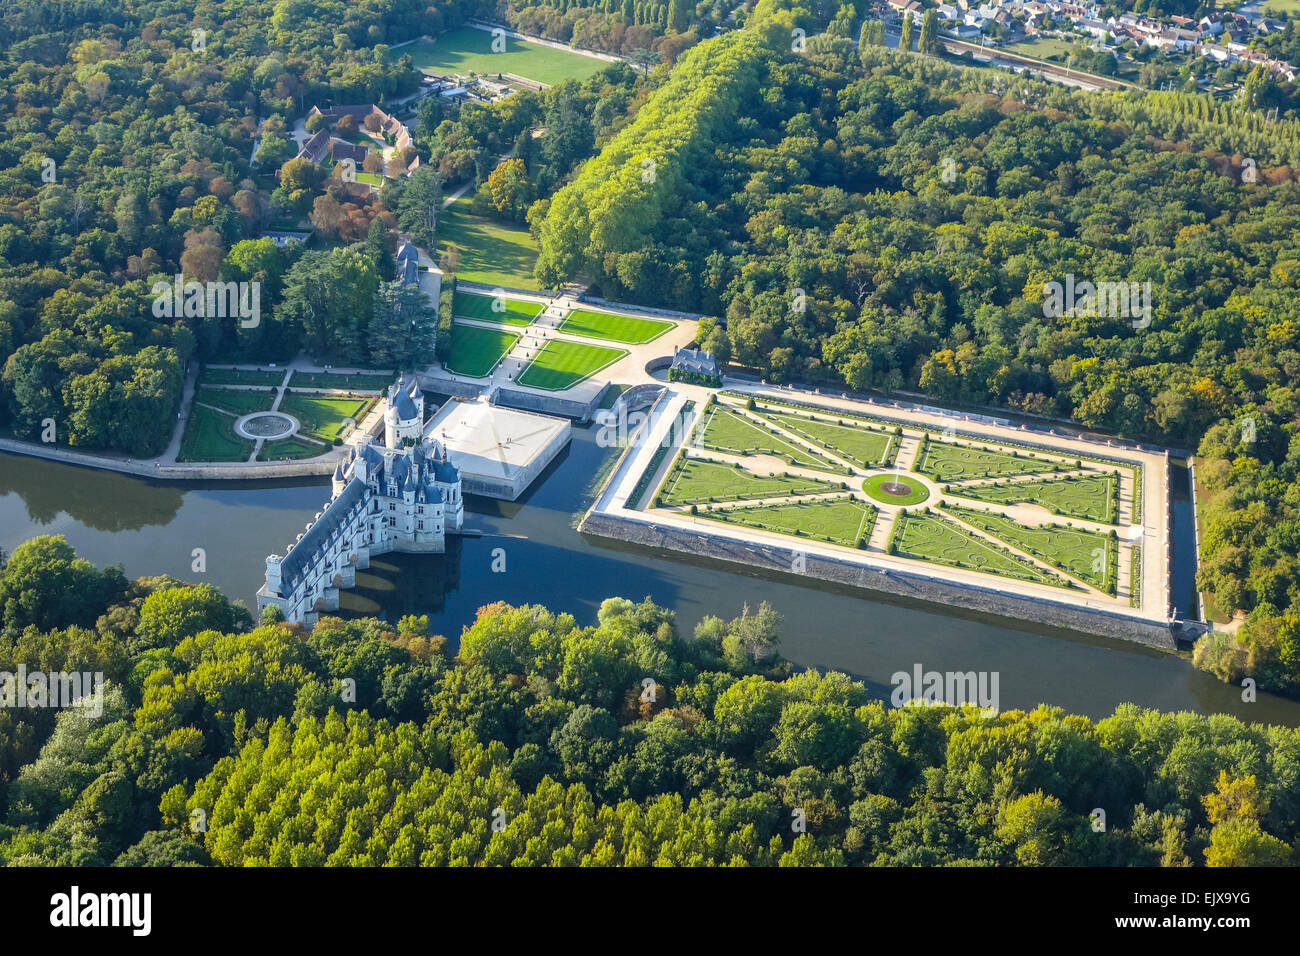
<point x="1006" y="509"/>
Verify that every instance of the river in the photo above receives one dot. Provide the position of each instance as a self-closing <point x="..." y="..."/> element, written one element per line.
<point x="154" y="527"/>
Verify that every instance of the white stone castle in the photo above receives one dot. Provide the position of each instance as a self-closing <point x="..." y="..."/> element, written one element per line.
<point x="403" y="495"/>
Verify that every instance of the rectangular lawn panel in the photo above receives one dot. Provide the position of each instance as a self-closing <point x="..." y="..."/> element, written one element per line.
<point x="841" y="521"/>
<point x="324" y="416"/>
<point x="210" y="436"/>
<point x="1094" y="498"/>
<point x="693" y="480"/>
<point x="560" y="365"/>
<point x="628" y="329"/>
<point x="948" y="462"/>
<point x="859" y="444"/>
<point x="492" y="252"/>
<point x="1085" y="555"/>
<point x="475" y="351"/>
<point x="470" y="51"/>
<point x="237" y="401"/>
<point x="469" y="305"/>
<point x="928" y="537"/>
<point x="350" y="381"/>
<point x="240" y="376"/>
<point x="730" y="431"/>
<point x="294" y="448"/>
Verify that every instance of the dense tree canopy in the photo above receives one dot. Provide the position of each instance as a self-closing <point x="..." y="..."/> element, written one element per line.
<point x="542" y="741"/>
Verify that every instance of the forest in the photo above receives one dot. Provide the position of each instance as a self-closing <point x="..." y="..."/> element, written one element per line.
<point x="531" y="739"/>
<point x="885" y="221"/>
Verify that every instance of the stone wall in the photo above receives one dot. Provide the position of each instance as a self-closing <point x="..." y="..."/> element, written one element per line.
<point x="1086" y="620"/>
<point x="185" y="471"/>
<point x="547" y="404"/>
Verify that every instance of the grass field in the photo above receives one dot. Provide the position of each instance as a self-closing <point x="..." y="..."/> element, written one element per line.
<point x="467" y="305"/>
<point x="1282" y="8"/>
<point x="1092" y="497"/>
<point x="237" y="401"/>
<point x="291" y="448"/>
<point x="693" y="480"/>
<point x="475" y="351"/>
<point x="560" y="365"/>
<point x="210" y="436"/>
<point x="948" y="462"/>
<point x="1086" y="555"/>
<point x="861" y="445"/>
<point x="930" y="538"/>
<point x="491" y="252"/>
<point x="353" y="381"/>
<point x="842" y="521"/>
<point x="323" y="416"/>
<point x="470" y="51"/>
<point x="236" y="376"/>
<point x="627" y="329"/>
<point x="730" y="431"/>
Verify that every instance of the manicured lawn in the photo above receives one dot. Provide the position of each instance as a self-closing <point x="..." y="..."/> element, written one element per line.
<point x="210" y="436"/>
<point x="881" y="487"/>
<point x="323" y="416"/>
<point x="491" y="252"/>
<point x="928" y="537"/>
<point x="842" y="521"/>
<point x="693" y="480"/>
<point x="730" y="431"/>
<point x="237" y="401"/>
<point x="470" y="51"/>
<point x="859" y="444"/>
<point x="1077" y="497"/>
<point x="487" y="308"/>
<point x="291" y="448"/>
<point x="370" y="179"/>
<point x="628" y="329"/>
<point x="948" y="462"/>
<point x="475" y="351"/>
<point x="353" y="381"/>
<point x="236" y="376"/>
<point x="1086" y="555"/>
<point x="560" y="365"/>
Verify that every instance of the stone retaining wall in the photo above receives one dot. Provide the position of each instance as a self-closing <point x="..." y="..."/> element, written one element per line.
<point x="547" y="404"/>
<point x="196" y="471"/>
<point x="818" y="567"/>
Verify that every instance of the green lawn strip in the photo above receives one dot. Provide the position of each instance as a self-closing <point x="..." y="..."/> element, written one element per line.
<point x="237" y="401"/>
<point x="928" y="537"/>
<point x="210" y="436"/>
<point x="355" y="381"/>
<point x="630" y="330"/>
<point x="471" y="51"/>
<point x="487" y="308"/>
<point x="293" y="448"/>
<point x="325" y="416"/>
<point x="843" y="521"/>
<point x="475" y="351"/>
<point x="947" y="462"/>
<point x="1072" y="550"/>
<point x="1135" y="576"/>
<point x="238" y="376"/>
<point x="560" y="365"/>
<point x="694" y="480"/>
<point x="492" y="252"/>
<point x="1091" y="497"/>
<point x="863" y="446"/>
<point x="729" y="431"/>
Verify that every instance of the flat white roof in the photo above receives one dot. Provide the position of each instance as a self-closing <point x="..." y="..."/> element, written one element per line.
<point x="489" y="440"/>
